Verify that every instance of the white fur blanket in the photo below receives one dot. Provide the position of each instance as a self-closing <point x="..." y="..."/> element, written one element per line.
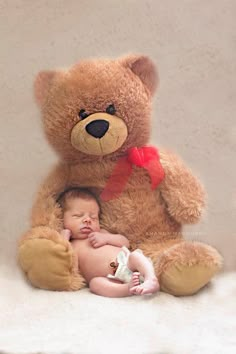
<point x="38" y="321"/>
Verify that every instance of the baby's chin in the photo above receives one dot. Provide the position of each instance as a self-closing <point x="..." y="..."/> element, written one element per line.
<point x="82" y="236"/>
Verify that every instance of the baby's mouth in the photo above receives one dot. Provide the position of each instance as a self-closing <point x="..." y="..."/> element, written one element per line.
<point x="86" y="229"/>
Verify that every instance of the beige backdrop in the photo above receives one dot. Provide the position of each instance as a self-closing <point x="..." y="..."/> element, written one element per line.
<point x="193" y="44"/>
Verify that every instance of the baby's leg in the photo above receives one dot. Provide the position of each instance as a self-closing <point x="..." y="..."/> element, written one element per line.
<point x="112" y="288"/>
<point x="138" y="262"/>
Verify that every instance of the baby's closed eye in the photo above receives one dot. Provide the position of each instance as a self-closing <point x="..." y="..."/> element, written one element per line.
<point x="94" y="217"/>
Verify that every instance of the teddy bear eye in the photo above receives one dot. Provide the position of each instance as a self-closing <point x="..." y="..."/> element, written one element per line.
<point x="111" y="109"/>
<point x="83" y="114"/>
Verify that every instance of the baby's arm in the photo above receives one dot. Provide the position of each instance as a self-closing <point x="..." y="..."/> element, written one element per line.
<point x="116" y="239"/>
<point x="98" y="239"/>
<point x="75" y="246"/>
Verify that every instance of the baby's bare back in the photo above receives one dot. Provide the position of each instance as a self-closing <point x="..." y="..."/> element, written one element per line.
<point x="94" y="262"/>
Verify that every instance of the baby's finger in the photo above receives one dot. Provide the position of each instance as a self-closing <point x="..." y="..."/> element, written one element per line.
<point x="96" y="245"/>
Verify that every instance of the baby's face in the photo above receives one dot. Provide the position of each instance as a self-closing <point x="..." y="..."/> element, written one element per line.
<point x="81" y="217"/>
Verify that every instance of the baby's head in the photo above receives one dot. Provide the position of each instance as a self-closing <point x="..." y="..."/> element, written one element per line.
<point x="81" y="211"/>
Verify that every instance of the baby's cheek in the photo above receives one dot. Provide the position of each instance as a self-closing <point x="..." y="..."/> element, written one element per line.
<point x="68" y="224"/>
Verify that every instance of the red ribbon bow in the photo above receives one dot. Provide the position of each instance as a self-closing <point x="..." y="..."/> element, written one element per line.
<point x="146" y="157"/>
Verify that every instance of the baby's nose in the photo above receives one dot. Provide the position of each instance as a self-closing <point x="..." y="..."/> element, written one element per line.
<point x="87" y="218"/>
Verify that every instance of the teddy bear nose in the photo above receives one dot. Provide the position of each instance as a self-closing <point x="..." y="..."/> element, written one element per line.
<point x="97" y="128"/>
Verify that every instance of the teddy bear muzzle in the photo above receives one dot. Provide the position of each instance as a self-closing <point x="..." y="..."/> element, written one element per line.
<point x="99" y="134"/>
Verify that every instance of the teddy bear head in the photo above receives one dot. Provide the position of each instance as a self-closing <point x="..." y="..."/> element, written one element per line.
<point x="97" y="108"/>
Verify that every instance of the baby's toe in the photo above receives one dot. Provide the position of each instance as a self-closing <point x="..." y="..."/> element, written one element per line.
<point x="133" y="290"/>
<point x="136" y="275"/>
<point x="138" y="290"/>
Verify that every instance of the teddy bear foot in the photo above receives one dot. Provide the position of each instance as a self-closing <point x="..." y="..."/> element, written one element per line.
<point x="47" y="260"/>
<point x="187" y="267"/>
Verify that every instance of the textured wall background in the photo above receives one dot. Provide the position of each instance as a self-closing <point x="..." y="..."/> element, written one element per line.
<point x="193" y="45"/>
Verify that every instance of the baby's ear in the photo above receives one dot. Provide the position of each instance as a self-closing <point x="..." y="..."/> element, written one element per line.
<point x="42" y="85"/>
<point x="144" y="68"/>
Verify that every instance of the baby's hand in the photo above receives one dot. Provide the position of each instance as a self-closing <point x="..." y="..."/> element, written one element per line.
<point x="97" y="239"/>
<point x="66" y="233"/>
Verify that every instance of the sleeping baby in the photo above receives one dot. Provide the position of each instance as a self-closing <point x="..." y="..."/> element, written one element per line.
<point x="99" y="253"/>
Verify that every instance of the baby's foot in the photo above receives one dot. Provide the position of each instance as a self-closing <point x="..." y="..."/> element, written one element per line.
<point x="149" y="286"/>
<point x="134" y="282"/>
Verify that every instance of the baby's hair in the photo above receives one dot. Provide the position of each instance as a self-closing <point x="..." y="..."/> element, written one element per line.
<point x="76" y="192"/>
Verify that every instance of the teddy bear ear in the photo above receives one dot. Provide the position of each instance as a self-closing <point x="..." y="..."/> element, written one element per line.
<point x="144" y="68"/>
<point x="42" y="84"/>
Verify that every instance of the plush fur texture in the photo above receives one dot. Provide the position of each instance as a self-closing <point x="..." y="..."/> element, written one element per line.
<point x="152" y="220"/>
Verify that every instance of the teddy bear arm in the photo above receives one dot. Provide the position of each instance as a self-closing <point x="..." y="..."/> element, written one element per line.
<point x="182" y="192"/>
<point x="45" y="211"/>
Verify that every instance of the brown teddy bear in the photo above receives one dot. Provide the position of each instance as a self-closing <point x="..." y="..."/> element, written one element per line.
<point x="96" y="115"/>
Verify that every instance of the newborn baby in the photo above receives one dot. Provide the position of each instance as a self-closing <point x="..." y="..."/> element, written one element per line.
<point x="100" y="253"/>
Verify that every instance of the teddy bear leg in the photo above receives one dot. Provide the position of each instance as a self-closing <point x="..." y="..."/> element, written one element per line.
<point x="47" y="259"/>
<point x="186" y="267"/>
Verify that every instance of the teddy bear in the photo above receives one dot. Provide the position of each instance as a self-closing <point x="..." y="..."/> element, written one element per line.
<point x="97" y="117"/>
